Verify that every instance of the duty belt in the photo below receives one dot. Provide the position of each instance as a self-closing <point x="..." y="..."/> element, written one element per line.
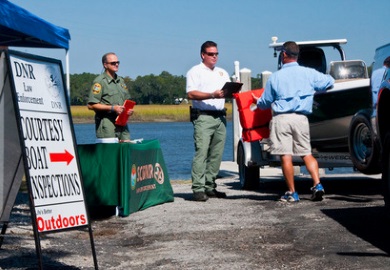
<point x="214" y="113"/>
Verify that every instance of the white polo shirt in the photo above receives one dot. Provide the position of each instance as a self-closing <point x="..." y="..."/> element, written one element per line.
<point x="207" y="80"/>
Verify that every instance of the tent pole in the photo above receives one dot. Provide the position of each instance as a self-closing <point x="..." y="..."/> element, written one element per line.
<point x="67" y="75"/>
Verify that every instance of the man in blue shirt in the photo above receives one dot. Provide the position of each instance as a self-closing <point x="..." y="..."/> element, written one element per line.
<point x="289" y="92"/>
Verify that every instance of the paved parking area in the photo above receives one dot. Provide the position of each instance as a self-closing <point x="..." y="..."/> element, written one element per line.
<point x="247" y="230"/>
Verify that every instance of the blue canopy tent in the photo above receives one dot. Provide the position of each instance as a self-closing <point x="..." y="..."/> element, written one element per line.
<point x="20" y="28"/>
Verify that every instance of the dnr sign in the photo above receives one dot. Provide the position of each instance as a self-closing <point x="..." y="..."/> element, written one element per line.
<point x="37" y="140"/>
<point x="48" y="143"/>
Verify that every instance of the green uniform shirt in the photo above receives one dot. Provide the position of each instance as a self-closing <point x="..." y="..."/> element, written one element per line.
<point x="109" y="91"/>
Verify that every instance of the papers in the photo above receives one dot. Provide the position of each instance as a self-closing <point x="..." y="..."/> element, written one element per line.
<point x="231" y="87"/>
<point x="121" y="119"/>
<point x="137" y="140"/>
<point x="107" y="140"/>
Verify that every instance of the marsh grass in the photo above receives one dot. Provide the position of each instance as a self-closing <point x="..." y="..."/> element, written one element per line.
<point x="145" y="113"/>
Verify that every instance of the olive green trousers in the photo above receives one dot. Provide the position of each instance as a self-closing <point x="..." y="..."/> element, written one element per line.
<point x="209" y="139"/>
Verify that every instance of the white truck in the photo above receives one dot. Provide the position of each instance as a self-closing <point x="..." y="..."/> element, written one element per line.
<point x="342" y="133"/>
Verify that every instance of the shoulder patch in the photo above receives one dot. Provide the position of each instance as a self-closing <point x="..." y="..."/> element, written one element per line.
<point x="96" y="88"/>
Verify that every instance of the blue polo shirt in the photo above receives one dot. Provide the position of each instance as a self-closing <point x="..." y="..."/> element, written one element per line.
<point x="291" y="89"/>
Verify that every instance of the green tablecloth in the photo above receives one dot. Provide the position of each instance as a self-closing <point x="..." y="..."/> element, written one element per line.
<point x="131" y="176"/>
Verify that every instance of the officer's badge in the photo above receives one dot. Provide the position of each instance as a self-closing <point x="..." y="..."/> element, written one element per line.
<point x="124" y="86"/>
<point x="221" y="73"/>
<point x="96" y="88"/>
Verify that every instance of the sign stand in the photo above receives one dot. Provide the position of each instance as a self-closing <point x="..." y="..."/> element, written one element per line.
<point x="3" y="229"/>
<point x="47" y="142"/>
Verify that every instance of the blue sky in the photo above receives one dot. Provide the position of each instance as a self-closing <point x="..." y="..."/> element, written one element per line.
<point x="151" y="36"/>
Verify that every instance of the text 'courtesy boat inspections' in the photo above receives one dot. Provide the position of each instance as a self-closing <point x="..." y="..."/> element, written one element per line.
<point x="49" y="149"/>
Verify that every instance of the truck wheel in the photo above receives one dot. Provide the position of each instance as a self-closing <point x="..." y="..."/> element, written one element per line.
<point x="363" y="148"/>
<point x="386" y="173"/>
<point x="249" y="175"/>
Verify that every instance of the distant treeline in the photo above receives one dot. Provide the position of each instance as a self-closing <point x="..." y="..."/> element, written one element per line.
<point x="150" y="89"/>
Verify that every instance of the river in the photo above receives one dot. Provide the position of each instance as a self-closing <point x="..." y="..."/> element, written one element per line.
<point x="176" y="141"/>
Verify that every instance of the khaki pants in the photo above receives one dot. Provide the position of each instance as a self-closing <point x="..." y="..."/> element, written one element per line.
<point x="209" y="138"/>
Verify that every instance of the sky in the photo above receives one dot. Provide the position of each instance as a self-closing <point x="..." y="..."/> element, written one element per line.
<point x="151" y="36"/>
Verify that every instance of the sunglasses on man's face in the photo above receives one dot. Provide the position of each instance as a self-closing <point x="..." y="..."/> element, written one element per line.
<point x="211" y="53"/>
<point x="113" y="63"/>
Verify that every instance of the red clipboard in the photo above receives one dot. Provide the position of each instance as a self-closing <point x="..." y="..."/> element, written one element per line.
<point x="121" y="120"/>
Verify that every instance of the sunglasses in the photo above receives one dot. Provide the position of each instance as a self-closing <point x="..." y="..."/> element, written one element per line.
<point x="113" y="63"/>
<point x="288" y="52"/>
<point x="211" y="53"/>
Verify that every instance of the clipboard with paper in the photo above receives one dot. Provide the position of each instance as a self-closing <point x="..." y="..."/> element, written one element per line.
<point x="121" y="119"/>
<point x="230" y="88"/>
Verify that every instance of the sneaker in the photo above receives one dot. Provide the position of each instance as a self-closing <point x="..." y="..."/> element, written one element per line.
<point x="317" y="192"/>
<point x="200" y="197"/>
<point x="290" y="197"/>
<point x="215" y="194"/>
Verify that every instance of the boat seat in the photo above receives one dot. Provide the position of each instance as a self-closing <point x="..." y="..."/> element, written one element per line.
<point x="312" y="57"/>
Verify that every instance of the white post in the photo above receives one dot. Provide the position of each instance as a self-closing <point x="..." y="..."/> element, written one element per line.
<point x="245" y="78"/>
<point x="237" y="70"/>
<point x="235" y="116"/>
<point x="264" y="77"/>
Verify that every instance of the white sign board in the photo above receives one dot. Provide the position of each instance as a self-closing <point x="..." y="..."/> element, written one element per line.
<point x="49" y="145"/>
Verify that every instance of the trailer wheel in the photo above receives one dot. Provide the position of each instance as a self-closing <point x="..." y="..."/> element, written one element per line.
<point x="386" y="173"/>
<point x="249" y="175"/>
<point x="363" y="148"/>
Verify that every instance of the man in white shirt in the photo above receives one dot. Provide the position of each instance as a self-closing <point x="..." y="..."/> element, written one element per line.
<point x="204" y="83"/>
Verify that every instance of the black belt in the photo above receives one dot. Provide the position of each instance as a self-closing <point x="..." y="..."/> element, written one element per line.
<point x="214" y="113"/>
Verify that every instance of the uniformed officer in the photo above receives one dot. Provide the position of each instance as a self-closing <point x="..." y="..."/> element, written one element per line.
<point x="106" y="98"/>
<point x="204" y="83"/>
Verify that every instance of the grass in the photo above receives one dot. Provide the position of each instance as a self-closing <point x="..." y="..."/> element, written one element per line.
<point x="145" y="113"/>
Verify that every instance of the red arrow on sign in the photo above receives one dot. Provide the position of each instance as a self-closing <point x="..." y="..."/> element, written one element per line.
<point x="61" y="157"/>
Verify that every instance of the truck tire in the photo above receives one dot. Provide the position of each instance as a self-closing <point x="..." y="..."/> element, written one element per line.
<point x="249" y="175"/>
<point x="386" y="173"/>
<point x="363" y="147"/>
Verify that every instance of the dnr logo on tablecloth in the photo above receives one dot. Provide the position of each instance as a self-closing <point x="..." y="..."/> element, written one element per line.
<point x="144" y="172"/>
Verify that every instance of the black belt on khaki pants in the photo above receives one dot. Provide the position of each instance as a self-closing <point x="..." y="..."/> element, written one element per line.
<point x="215" y="113"/>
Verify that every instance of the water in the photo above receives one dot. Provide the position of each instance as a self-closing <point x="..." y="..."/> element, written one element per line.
<point x="177" y="144"/>
<point x="176" y="141"/>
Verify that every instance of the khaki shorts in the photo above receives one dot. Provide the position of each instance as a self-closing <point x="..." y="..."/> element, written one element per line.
<point x="290" y="135"/>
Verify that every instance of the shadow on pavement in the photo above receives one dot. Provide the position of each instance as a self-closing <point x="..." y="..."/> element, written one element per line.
<point x="347" y="187"/>
<point x="367" y="223"/>
<point x="334" y="185"/>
